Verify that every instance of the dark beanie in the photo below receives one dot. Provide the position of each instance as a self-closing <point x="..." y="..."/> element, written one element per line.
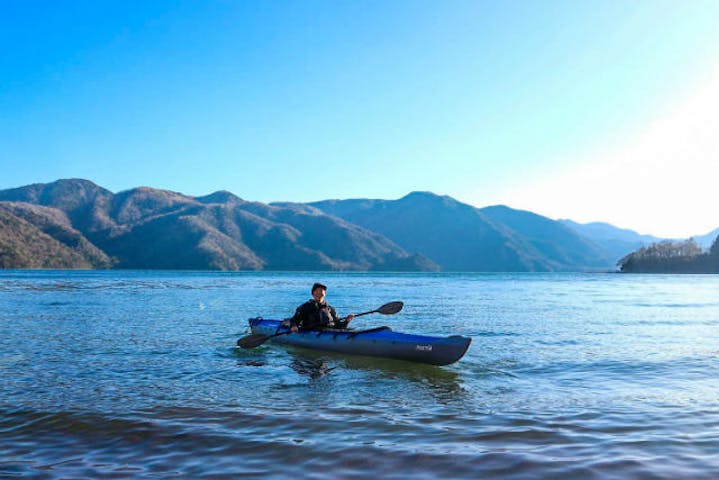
<point x="316" y="286"/>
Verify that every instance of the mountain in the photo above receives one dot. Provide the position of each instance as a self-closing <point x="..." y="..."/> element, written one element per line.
<point x="221" y="196"/>
<point x="553" y="240"/>
<point x="35" y="237"/>
<point x="56" y="224"/>
<point x="83" y="202"/>
<point x="617" y="241"/>
<point x="706" y="241"/>
<point x="459" y="237"/>
<point x="150" y="228"/>
<point x="75" y="223"/>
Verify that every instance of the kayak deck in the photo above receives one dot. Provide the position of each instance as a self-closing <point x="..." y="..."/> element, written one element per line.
<point x="375" y="342"/>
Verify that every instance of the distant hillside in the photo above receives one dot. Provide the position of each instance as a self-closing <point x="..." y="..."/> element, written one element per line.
<point x="24" y="245"/>
<point x="553" y="240"/>
<point x="55" y="224"/>
<point x="618" y="242"/>
<point x="150" y="228"/>
<point x="456" y="236"/>
<point x="75" y="223"/>
<point x="459" y="237"/>
<point x="706" y="241"/>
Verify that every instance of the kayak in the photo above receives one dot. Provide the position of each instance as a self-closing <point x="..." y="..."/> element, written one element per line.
<point x="374" y="342"/>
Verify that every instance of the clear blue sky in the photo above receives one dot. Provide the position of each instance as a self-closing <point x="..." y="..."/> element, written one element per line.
<point x="488" y="102"/>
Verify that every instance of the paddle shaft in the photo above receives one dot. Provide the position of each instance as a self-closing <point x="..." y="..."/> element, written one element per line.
<point x="387" y="309"/>
<point x="363" y="313"/>
<point x="277" y="335"/>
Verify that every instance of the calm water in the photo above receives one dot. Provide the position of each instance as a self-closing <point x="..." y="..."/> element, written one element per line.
<point x="135" y="374"/>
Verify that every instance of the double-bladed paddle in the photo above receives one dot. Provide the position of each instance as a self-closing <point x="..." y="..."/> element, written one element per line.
<point x="257" y="339"/>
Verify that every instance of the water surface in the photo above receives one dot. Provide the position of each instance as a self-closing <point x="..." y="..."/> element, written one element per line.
<point x="135" y="374"/>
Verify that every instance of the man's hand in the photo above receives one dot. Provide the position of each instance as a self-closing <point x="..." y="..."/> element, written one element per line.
<point x="294" y="329"/>
<point x="350" y="317"/>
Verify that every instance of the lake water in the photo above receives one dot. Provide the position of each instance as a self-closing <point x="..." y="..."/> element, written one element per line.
<point x="136" y="375"/>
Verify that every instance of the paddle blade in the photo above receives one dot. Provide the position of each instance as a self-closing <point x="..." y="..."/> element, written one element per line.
<point x="252" y="341"/>
<point x="390" y="308"/>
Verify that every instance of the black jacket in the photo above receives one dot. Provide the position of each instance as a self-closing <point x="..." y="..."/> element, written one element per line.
<point x="313" y="315"/>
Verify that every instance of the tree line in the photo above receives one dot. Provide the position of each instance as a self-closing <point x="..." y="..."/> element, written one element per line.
<point x="672" y="257"/>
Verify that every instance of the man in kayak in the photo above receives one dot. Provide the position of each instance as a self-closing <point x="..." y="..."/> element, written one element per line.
<point x="316" y="313"/>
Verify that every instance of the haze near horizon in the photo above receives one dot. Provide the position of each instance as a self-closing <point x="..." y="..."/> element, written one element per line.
<point x="594" y="111"/>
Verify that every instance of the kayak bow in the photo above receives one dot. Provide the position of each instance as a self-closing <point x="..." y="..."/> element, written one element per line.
<point x="375" y="342"/>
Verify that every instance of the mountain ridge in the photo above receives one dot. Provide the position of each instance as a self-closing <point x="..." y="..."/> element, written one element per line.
<point x="150" y="228"/>
<point x="495" y="238"/>
<point x="145" y="227"/>
<point x="429" y="223"/>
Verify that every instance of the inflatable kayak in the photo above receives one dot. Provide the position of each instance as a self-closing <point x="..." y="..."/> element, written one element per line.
<point x="375" y="342"/>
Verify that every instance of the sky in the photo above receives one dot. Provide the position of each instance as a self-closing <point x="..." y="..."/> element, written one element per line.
<point x="593" y="110"/>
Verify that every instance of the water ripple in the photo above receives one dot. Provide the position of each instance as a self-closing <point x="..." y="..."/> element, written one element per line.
<point x="136" y="375"/>
<point x="277" y="443"/>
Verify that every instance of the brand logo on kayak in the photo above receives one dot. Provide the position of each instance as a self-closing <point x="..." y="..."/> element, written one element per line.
<point x="424" y="348"/>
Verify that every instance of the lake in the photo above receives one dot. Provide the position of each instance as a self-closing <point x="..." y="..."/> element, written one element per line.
<point x="119" y="374"/>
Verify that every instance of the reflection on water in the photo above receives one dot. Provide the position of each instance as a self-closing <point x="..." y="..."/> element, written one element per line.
<point x="444" y="384"/>
<point x="313" y="368"/>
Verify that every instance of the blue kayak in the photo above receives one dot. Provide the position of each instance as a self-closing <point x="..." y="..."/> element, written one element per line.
<point x="375" y="342"/>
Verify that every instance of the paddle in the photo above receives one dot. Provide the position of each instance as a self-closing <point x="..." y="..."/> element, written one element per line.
<point x="257" y="339"/>
<point x="387" y="309"/>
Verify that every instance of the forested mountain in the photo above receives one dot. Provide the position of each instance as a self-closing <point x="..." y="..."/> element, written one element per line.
<point x="27" y="245"/>
<point x="456" y="236"/>
<point x="150" y="228"/>
<point x="78" y="224"/>
<point x="617" y="242"/>
<point x="459" y="237"/>
<point x="553" y="240"/>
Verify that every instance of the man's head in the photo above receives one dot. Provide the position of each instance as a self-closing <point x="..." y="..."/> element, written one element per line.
<point x="318" y="292"/>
